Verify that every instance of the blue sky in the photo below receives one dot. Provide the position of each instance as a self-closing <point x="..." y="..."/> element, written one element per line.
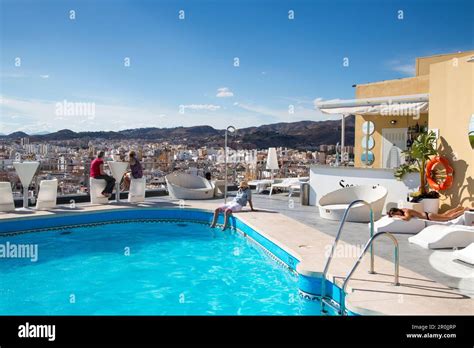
<point x="190" y="62"/>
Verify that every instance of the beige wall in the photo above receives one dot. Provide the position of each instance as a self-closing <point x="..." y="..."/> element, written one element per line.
<point x="450" y="84"/>
<point x="380" y="123"/>
<point x="451" y="107"/>
<point x="412" y="85"/>
<point x="423" y="63"/>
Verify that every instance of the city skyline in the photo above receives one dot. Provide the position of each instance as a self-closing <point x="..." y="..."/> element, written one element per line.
<point x="146" y="64"/>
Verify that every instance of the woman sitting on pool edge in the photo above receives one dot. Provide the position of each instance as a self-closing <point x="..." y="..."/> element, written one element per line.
<point x="244" y="195"/>
<point x="407" y="214"/>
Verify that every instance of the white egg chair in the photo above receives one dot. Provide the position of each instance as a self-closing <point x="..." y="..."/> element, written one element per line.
<point x="333" y="205"/>
<point x="188" y="186"/>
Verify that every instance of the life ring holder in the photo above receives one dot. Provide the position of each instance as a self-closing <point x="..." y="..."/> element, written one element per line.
<point x="430" y="177"/>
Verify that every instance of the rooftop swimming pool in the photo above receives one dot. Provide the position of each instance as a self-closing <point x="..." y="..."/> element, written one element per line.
<point x="144" y="266"/>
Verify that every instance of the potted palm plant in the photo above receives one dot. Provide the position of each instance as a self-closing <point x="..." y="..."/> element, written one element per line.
<point x="421" y="150"/>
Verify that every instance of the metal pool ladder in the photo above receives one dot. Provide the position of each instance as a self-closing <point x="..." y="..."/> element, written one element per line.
<point x="342" y="301"/>
<point x="368" y="245"/>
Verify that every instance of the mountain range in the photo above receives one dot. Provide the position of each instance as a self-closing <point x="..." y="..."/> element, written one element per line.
<point x="302" y="135"/>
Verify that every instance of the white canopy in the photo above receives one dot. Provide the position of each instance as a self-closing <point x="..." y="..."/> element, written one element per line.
<point x="404" y="105"/>
<point x="406" y="109"/>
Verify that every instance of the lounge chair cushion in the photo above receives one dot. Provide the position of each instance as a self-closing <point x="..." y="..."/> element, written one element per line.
<point x="457" y="221"/>
<point x="442" y="236"/>
<point x="395" y="225"/>
<point x="466" y="254"/>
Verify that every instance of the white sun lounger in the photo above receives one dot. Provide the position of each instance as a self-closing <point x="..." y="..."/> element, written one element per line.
<point x="217" y="190"/>
<point x="465" y="255"/>
<point x="6" y="197"/>
<point x="261" y="185"/>
<point x="442" y="236"/>
<point x="47" y="194"/>
<point x="288" y="184"/>
<point x="412" y="226"/>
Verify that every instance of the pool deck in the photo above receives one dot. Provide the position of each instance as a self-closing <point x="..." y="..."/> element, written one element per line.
<point x="427" y="286"/>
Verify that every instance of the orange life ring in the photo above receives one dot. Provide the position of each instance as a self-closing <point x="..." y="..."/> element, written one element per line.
<point x="447" y="181"/>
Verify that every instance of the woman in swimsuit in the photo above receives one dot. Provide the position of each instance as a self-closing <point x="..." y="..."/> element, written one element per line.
<point x="407" y="214"/>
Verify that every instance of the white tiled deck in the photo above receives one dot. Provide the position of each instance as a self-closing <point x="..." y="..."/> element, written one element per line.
<point x="418" y="293"/>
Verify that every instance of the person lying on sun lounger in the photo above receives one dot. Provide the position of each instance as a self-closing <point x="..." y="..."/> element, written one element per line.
<point x="244" y="195"/>
<point x="407" y="214"/>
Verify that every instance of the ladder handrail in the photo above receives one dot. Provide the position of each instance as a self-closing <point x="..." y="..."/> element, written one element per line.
<point x="342" y="302"/>
<point x="336" y="240"/>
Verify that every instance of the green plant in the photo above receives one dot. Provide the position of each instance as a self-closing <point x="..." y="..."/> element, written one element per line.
<point x="423" y="147"/>
<point x="404" y="169"/>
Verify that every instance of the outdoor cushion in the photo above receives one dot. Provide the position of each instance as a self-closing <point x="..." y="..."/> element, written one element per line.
<point x="396" y="225"/>
<point x="466" y="254"/>
<point x="442" y="236"/>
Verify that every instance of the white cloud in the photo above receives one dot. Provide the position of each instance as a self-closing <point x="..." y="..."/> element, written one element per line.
<point x="224" y="92"/>
<point x="291" y="113"/>
<point x="36" y="115"/>
<point x="298" y="100"/>
<point x="21" y="75"/>
<point x="318" y="100"/>
<point x="33" y="115"/>
<point x="13" y="75"/>
<point x="209" y="107"/>
<point x="407" y="69"/>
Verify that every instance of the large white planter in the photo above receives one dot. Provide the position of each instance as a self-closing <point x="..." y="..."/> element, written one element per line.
<point x="419" y="207"/>
<point x="469" y="218"/>
<point x="430" y="205"/>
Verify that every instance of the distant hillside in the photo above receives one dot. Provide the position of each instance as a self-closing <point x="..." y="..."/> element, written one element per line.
<point x="297" y="135"/>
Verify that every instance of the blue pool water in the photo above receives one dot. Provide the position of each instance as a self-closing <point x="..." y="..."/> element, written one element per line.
<point x="146" y="268"/>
